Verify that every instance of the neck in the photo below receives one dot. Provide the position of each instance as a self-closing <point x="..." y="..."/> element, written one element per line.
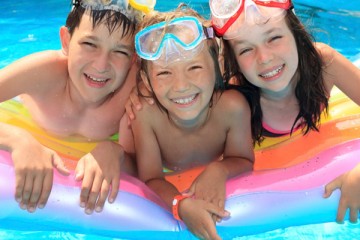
<point x="286" y="94"/>
<point x="191" y="124"/>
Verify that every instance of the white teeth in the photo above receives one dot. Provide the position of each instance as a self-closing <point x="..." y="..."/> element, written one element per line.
<point x="272" y="73"/>
<point x="97" y="79"/>
<point x="184" y="100"/>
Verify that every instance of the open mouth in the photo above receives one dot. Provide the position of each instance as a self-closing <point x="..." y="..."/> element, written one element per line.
<point x="185" y="100"/>
<point x="272" y="73"/>
<point x="96" y="81"/>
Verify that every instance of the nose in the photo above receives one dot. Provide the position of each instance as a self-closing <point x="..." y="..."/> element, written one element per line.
<point x="264" y="55"/>
<point x="102" y="63"/>
<point x="181" y="83"/>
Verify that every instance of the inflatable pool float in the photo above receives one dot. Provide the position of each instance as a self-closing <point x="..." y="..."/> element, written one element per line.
<point x="284" y="190"/>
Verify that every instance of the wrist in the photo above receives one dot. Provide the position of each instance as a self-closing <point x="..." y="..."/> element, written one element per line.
<point x="175" y="206"/>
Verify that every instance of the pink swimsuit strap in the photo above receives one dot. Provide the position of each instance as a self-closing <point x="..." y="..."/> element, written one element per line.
<point x="277" y="132"/>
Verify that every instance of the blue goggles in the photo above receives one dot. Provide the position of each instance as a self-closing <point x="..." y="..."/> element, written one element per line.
<point x="169" y="41"/>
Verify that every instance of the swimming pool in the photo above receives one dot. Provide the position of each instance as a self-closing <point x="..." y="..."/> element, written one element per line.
<point x="23" y="32"/>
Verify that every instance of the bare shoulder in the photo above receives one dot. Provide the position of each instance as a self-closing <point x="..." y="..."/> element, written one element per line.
<point x="326" y="52"/>
<point x="232" y="100"/>
<point x="33" y="74"/>
<point x="148" y="113"/>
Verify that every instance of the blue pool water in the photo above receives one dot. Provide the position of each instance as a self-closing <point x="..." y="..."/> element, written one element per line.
<point x="30" y="26"/>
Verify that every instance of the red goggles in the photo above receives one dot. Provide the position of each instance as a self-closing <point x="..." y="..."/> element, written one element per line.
<point x="225" y="12"/>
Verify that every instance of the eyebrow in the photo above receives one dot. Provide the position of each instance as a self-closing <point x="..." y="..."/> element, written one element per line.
<point x="122" y="46"/>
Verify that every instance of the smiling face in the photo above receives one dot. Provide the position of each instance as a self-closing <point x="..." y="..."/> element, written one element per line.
<point x="267" y="55"/>
<point x="185" y="88"/>
<point x="98" y="61"/>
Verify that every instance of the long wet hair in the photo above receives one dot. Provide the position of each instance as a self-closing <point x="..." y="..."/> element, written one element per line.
<point x="181" y="11"/>
<point x="309" y="91"/>
<point x="112" y="19"/>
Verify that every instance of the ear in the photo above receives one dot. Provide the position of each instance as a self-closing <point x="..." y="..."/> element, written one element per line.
<point x="65" y="40"/>
<point x="145" y="80"/>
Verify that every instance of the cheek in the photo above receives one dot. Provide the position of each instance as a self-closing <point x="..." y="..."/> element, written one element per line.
<point x="159" y="88"/>
<point x="245" y="64"/>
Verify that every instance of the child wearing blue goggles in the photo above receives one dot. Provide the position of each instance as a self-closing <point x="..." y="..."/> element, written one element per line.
<point x="194" y="124"/>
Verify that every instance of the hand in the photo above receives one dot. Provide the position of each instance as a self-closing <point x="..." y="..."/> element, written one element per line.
<point x="210" y="187"/>
<point x="134" y="101"/>
<point x="33" y="164"/>
<point x="99" y="170"/>
<point x="197" y="215"/>
<point x="349" y="184"/>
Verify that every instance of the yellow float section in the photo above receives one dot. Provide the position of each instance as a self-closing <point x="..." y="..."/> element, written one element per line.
<point x="70" y="149"/>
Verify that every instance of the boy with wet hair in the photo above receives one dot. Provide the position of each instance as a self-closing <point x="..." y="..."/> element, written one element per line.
<point x="75" y="93"/>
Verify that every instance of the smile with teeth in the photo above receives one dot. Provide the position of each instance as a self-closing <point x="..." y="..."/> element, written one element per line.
<point x="96" y="79"/>
<point x="272" y="73"/>
<point x="184" y="101"/>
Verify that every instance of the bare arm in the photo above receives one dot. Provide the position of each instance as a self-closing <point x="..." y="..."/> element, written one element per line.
<point x="35" y="74"/>
<point x="339" y="71"/>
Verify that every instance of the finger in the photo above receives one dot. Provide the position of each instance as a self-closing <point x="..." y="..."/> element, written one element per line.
<point x="209" y="232"/>
<point x="217" y="211"/>
<point x="115" y="186"/>
<point x="215" y="218"/>
<point x="149" y="100"/>
<point x="102" y="196"/>
<point x="129" y="110"/>
<point x="341" y="211"/>
<point x="29" y="180"/>
<point x="86" y="187"/>
<point x="80" y="169"/>
<point x="20" y="182"/>
<point x="190" y="192"/>
<point x="59" y="164"/>
<point x="354" y="214"/>
<point x="135" y="100"/>
<point x="145" y="91"/>
<point x="94" y="193"/>
<point x="333" y="185"/>
<point x="46" y="189"/>
<point x="35" y="193"/>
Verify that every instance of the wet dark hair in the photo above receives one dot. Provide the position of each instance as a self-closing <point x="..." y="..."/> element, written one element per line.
<point x="112" y="19"/>
<point x="309" y="91"/>
<point x="180" y="11"/>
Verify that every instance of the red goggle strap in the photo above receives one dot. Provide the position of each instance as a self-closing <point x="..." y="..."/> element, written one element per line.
<point x="221" y="31"/>
<point x="285" y="5"/>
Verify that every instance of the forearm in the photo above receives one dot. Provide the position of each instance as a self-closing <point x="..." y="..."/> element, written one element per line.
<point x="164" y="189"/>
<point x="117" y="152"/>
<point x="233" y="166"/>
<point x="11" y="136"/>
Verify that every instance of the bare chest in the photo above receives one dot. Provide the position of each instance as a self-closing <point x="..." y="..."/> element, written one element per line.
<point x="280" y="117"/>
<point x="180" y="151"/>
<point x="60" y="119"/>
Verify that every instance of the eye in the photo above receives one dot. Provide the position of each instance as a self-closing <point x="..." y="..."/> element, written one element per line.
<point x="244" y="51"/>
<point x="194" y="67"/>
<point x="272" y="39"/>
<point x="89" y="44"/>
<point x="163" y="73"/>
<point x="123" y="52"/>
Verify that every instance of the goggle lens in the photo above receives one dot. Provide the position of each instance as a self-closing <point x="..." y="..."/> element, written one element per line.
<point x="169" y="38"/>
